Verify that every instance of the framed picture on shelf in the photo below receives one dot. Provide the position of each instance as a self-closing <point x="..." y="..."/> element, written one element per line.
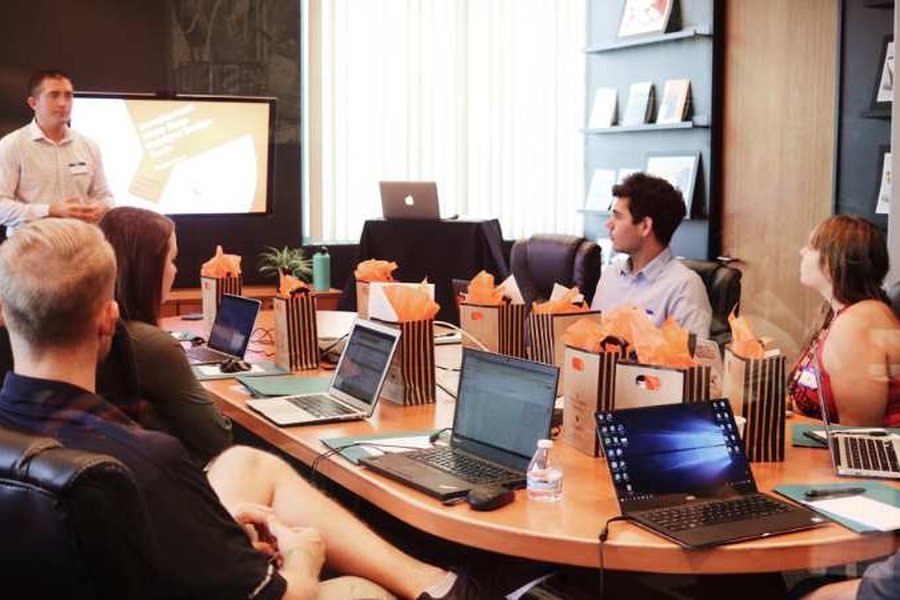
<point x="603" y="113"/>
<point x="599" y="195"/>
<point x="640" y="17"/>
<point x="676" y="101"/>
<point x="884" y="82"/>
<point x="679" y="169"/>
<point x="639" y="108"/>
<point x="883" y="184"/>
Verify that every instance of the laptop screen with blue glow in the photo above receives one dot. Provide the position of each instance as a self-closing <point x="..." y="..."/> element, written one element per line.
<point x="674" y="450"/>
<point x="364" y="363"/>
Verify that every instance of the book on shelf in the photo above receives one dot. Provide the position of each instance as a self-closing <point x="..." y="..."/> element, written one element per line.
<point x="599" y="195"/>
<point x="883" y="205"/>
<point x="675" y="105"/>
<point x="639" y="108"/>
<point x="603" y="113"/>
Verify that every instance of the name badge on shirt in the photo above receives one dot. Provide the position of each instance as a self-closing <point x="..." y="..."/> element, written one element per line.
<point x="78" y="168"/>
<point x="808" y="378"/>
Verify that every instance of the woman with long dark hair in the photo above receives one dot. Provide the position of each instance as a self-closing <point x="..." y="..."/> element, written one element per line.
<point x="855" y="357"/>
<point x="172" y="399"/>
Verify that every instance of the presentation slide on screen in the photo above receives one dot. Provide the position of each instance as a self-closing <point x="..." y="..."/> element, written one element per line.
<point x="180" y="156"/>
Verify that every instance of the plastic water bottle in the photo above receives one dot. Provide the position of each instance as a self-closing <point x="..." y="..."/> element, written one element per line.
<point x="322" y="270"/>
<point x="544" y="480"/>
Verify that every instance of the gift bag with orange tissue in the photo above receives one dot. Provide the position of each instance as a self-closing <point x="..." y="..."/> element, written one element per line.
<point x="590" y="360"/>
<point x="494" y="316"/>
<point x="366" y="272"/>
<point x="754" y="383"/>
<point x="296" y="338"/>
<point x="221" y="274"/>
<point x="665" y="372"/>
<point x="411" y="380"/>
<point x="548" y="322"/>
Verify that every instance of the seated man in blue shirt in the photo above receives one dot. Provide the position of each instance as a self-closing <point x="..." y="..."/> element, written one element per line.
<point x="646" y="212"/>
<point x="248" y="528"/>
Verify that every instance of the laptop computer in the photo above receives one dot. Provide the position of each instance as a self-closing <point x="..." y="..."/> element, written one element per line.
<point x="409" y="200"/>
<point x="230" y="332"/>
<point x="503" y="408"/>
<point x="355" y="387"/>
<point x="859" y="453"/>
<point x="680" y="470"/>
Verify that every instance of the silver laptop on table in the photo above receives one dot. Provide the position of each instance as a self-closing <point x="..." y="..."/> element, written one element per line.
<point x="872" y="453"/>
<point x="230" y="332"/>
<point x="355" y="387"/>
<point x="410" y="200"/>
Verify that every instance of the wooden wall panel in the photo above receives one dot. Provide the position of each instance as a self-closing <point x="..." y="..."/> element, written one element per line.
<point x="777" y="152"/>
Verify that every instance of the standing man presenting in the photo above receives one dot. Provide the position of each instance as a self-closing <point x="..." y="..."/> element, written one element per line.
<point x="46" y="168"/>
<point x="646" y="213"/>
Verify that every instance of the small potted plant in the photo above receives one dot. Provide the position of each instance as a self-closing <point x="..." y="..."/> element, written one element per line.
<point x="290" y="261"/>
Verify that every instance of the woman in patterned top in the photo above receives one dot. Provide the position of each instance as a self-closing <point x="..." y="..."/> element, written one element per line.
<point x="855" y="357"/>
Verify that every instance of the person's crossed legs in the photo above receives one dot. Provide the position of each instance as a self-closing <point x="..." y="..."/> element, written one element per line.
<point x="244" y="476"/>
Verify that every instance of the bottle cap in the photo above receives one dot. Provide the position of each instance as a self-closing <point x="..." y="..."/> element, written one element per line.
<point x="545" y="443"/>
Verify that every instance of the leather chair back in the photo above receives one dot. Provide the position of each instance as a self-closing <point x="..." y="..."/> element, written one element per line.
<point x="723" y="286"/>
<point x="74" y="525"/>
<point x="545" y="259"/>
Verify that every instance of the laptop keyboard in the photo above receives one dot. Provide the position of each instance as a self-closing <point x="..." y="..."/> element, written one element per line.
<point x="466" y="467"/>
<point x="869" y="454"/>
<point x="206" y="354"/>
<point x="689" y="516"/>
<point x="320" y="405"/>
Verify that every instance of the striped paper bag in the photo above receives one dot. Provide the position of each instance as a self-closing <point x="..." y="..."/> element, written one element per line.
<point x="211" y="290"/>
<point x="589" y="387"/>
<point x="296" y="339"/>
<point x="640" y="385"/>
<point x="362" y="299"/>
<point x="546" y="335"/>
<point x="411" y="380"/>
<point x="756" y="390"/>
<point x="500" y="328"/>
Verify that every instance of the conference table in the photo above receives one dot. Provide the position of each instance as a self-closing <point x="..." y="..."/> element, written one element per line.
<point x="565" y="532"/>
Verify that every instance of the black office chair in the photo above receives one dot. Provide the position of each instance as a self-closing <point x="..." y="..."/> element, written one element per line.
<point x="74" y="524"/>
<point x="723" y="286"/>
<point x="545" y="259"/>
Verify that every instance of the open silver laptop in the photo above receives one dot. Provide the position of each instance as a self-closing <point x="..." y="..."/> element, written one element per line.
<point x="410" y="200"/>
<point x="355" y="387"/>
<point x="230" y="333"/>
<point x="873" y="453"/>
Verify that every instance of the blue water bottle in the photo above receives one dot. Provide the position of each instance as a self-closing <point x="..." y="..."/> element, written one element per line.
<point x="322" y="270"/>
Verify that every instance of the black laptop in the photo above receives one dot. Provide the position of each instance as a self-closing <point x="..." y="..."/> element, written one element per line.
<point x="230" y="332"/>
<point x="680" y="471"/>
<point x="504" y="407"/>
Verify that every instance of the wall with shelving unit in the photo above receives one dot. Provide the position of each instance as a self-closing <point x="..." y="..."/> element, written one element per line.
<point x="862" y="132"/>
<point x="686" y="51"/>
<point x="894" y="217"/>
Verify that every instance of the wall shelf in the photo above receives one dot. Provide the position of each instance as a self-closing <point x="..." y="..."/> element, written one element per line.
<point x="880" y="4"/>
<point x="703" y="30"/>
<point x="696" y="122"/>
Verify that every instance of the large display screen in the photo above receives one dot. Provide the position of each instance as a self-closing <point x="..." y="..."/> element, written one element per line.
<point x="182" y="155"/>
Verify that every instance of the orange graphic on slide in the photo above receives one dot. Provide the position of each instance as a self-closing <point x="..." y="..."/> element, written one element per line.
<point x="172" y="132"/>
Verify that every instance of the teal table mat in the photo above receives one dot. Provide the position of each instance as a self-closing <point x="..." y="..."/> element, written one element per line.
<point x="344" y="447"/>
<point x="262" y="368"/>
<point x="261" y="386"/>
<point x="875" y="491"/>
<point x="800" y="439"/>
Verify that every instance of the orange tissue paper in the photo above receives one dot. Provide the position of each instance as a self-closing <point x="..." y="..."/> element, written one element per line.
<point x="743" y="342"/>
<point x="375" y="270"/>
<point x="288" y="284"/>
<point x="562" y="305"/>
<point x="482" y="290"/>
<point x="411" y="303"/>
<point x="221" y="265"/>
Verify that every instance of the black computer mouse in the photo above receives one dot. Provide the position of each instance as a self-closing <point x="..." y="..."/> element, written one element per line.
<point x="489" y="497"/>
<point x="233" y="365"/>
